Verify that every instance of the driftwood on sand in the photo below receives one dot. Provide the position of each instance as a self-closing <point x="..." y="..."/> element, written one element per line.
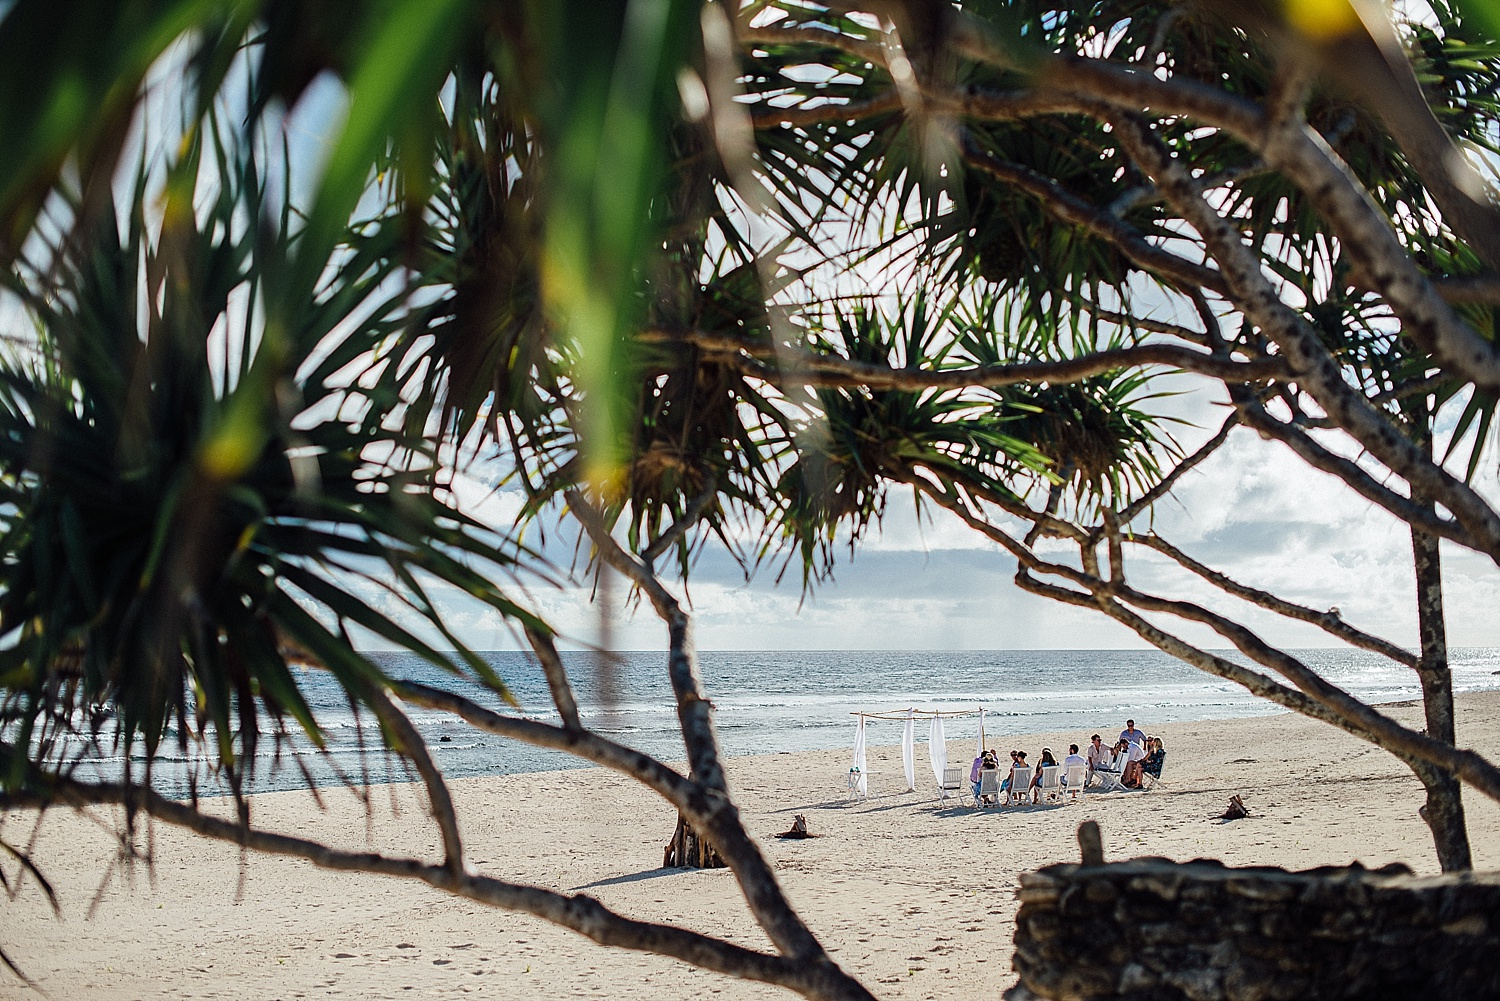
<point x="798" y="830"/>
<point x="1235" y="810"/>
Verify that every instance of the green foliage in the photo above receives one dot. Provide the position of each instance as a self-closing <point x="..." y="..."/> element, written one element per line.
<point x="159" y="559"/>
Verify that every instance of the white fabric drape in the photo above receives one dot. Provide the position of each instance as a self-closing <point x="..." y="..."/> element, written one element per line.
<point x="859" y="757"/>
<point x="909" y="750"/>
<point x="937" y="749"/>
<point x="980" y="753"/>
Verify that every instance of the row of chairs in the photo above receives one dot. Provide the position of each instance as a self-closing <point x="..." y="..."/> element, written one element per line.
<point x="1053" y="787"/>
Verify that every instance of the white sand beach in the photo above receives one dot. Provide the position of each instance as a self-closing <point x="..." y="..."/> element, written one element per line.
<point x="915" y="900"/>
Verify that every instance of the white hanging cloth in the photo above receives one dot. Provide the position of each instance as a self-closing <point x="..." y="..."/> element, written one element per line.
<point x="937" y="749"/>
<point x="863" y="779"/>
<point x="980" y="753"/>
<point x="909" y="750"/>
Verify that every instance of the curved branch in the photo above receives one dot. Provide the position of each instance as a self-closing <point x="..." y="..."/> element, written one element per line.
<point x="866" y="49"/>
<point x="1314" y="696"/>
<point x="770" y="118"/>
<point x="1096" y="596"/>
<point x="1257" y="684"/>
<point x="832" y="371"/>
<point x="580" y="913"/>
<point x="1304" y="158"/>
<point x="1353" y="475"/>
<point x="1146" y="323"/>
<point x="683" y="793"/>
<point x="1069" y="208"/>
<point x="1329" y="622"/>
<point x="411" y="743"/>
<point x="1372" y="246"/>
<point x="1161" y="489"/>
<point x="1375" y="68"/>
<point x="1483" y="290"/>
<point x="1379" y="729"/>
<point x="680" y="526"/>
<point x="557" y="677"/>
<point x="695" y="716"/>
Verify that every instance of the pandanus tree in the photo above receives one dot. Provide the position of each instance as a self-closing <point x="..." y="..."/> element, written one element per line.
<point x="1260" y="183"/>
<point x="233" y="394"/>
<point x="596" y="236"/>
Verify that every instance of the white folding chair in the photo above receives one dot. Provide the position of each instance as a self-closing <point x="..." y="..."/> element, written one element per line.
<point x="853" y="792"/>
<point x="1074" y="779"/>
<point x="953" y="783"/>
<point x="1049" y="789"/>
<point x="1020" y="786"/>
<point x="989" y="787"/>
<point x="1149" y="781"/>
<point x="1109" y="779"/>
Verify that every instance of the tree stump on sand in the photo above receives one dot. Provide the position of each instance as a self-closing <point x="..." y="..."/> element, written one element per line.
<point x="690" y="850"/>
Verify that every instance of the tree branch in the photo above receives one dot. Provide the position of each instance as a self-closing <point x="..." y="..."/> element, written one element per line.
<point x="1329" y="622"/>
<point x="865" y="49"/>
<point x="695" y="716"/>
<point x="764" y="117"/>
<point x="1071" y="209"/>
<point x="1301" y="155"/>
<point x="1146" y="323"/>
<point x="1479" y="289"/>
<point x="580" y="913"/>
<point x="1314" y="695"/>
<point x="1375" y="251"/>
<point x="690" y="517"/>
<point x="1377" y="728"/>
<point x="1316" y="371"/>
<point x="822" y="370"/>
<point x="557" y="677"/>
<point x="1166" y="483"/>
<point x="1351" y="473"/>
<point x="414" y="747"/>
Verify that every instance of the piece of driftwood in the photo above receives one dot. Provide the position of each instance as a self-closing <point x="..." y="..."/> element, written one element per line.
<point x="1091" y="843"/>
<point x="799" y="830"/>
<point x="690" y="850"/>
<point x="1235" y="810"/>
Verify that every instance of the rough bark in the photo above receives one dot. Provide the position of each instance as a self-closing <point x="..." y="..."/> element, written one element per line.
<point x="690" y="850"/>
<point x="1444" y="811"/>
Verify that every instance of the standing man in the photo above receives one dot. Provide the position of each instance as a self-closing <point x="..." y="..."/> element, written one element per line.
<point x="1131" y="735"/>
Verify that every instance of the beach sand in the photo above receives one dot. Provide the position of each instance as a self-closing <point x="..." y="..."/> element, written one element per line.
<point x="916" y="900"/>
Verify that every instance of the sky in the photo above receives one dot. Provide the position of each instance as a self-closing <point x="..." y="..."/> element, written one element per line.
<point x="1253" y="511"/>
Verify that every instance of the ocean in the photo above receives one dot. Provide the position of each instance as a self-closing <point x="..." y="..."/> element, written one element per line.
<point x="769" y="702"/>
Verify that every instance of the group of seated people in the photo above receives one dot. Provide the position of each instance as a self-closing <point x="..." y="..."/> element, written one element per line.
<point x="1121" y="765"/>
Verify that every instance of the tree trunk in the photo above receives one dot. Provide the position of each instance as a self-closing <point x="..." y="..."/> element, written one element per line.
<point x="690" y="850"/>
<point x="1444" y="811"/>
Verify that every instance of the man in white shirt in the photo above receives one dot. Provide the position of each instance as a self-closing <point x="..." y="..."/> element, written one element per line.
<point x="1101" y="762"/>
<point x="1098" y="754"/>
<point x="1131" y="735"/>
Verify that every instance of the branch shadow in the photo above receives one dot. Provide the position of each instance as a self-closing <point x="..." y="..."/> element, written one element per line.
<point x="633" y="877"/>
